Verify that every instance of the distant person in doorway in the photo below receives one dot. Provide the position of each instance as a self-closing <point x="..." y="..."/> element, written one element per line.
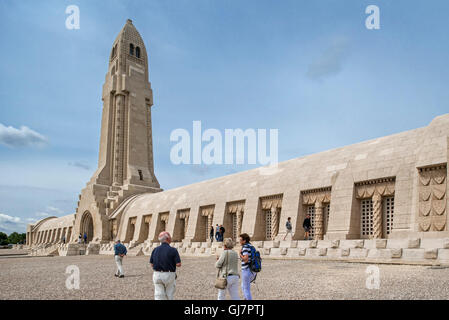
<point x="119" y="252"/>
<point x="222" y="231"/>
<point x="85" y="238"/>
<point x="80" y="238"/>
<point x="288" y="226"/>
<point x="307" y="225"/>
<point x="211" y="234"/>
<point x="217" y="232"/>
<point x="63" y="239"/>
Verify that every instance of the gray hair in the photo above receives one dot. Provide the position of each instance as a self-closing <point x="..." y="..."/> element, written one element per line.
<point x="228" y="243"/>
<point x="164" y="236"/>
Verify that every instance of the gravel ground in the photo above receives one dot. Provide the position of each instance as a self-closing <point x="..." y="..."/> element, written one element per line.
<point x="12" y="252"/>
<point x="45" y="277"/>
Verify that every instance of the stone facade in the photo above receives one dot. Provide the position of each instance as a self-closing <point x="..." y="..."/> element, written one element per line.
<point x="391" y="188"/>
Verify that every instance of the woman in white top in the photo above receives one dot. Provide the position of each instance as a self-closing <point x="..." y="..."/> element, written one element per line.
<point x="228" y="265"/>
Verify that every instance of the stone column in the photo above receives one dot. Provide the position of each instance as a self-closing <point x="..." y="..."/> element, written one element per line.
<point x="377" y="216"/>
<point x="319" y="227"/>
<point x="210" y="218"/>
<point x="274" y="223"/>
<point x="118" y="140"/>
<point x="239" y="223"/>
<point x="186" y="223"/>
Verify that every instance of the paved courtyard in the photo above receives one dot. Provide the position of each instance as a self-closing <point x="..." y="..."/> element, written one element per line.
<point x="45" y="277"/>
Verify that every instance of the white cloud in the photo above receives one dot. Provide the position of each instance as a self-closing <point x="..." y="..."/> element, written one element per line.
<point x="9" y="224"/>
<point x="42" y="214"/>
<point x="49" y="211"/>
<point x="23" y="137"/>
<point x="55" y="210"/>
<point x="330" y="61"/>
<point x="80" y="164"/>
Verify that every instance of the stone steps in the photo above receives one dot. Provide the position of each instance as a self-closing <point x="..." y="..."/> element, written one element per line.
<point x="397" y="251"/>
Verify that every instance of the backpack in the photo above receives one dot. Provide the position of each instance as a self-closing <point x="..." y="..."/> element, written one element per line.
<point x="256" y="260"/>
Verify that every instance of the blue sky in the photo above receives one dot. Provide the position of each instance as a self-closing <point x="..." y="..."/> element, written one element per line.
<point x="307" y="68"/>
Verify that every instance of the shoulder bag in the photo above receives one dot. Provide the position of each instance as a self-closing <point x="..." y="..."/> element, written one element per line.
<point x="222" y="282"/>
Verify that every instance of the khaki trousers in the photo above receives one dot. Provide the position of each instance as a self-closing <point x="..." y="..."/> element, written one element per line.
<point x="164" y="285"/>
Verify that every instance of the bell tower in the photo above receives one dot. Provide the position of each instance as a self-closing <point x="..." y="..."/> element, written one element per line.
<point x="125" y="163"/>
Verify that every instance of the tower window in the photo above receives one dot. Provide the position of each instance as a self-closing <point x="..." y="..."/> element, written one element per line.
<point x="114" y="52"/>
<point x="138" y="52"/>
<point x="140" y="175"/>
<point x="131" y="49"/>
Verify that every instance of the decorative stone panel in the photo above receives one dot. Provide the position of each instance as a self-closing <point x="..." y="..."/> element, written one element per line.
<point x="396" y="252"/>
<point x="322" y="251"/>
<point x="414" y="243"/>
<point x="381" y="243"/>
<point x="359" y="244"/>
<point x="313" y="244"/>
<point x="236" y="210"/>
<point x="432" y="198"/>
<point x="316" y="198"/>
<point x="271" y="206"/>
<point x="335" y="244"/>
<point x="375" y="189"/>
<point x="431" y="253"/>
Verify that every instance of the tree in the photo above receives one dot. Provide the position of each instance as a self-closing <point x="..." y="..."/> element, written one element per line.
<point x="15" y="238"/>
<point x="3" y="239"/>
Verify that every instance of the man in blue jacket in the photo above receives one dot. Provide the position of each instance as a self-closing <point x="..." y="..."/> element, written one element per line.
<point x="119" y="252"/>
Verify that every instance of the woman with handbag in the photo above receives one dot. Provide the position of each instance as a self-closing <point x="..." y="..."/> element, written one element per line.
<point x="228" y="272"/>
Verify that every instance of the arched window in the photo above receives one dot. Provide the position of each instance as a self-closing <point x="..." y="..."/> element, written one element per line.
<point x="114" y="52"/>
<point x="138" y="52"/>
<point x="131" y="49"/>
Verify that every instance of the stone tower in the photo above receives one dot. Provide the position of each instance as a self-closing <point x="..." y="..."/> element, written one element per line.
<point x="125" y="164"/>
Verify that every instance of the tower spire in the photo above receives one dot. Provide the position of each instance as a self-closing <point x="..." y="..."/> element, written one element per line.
<point x="125" y="163"/>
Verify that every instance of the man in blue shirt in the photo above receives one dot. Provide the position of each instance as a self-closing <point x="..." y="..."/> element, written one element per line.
<point x="164" y="260"/>
<point x="119" y="252"/>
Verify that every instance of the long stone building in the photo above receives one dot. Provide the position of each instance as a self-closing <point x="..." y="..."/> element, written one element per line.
<point x="389" y="188"/>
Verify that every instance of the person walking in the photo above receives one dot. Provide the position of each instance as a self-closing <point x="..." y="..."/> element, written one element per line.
<point x="119" y="252"/>
<point x="80" y="239"/>
<point x="247" y="275"/>
<point x="85" y="238"/>
<point x="217" y="232"/>
<point x="211" y="234"/>
<point x="164" y="260"/>
<point x="63" y="239"/>
<point x="222" y="231"/>
<point x="288" y="226"/>
<point x="307" y="225"/>
<point x="228" y="268"/>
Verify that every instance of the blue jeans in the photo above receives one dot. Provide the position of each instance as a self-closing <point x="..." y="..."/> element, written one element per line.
<point x="247" y="277"/>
